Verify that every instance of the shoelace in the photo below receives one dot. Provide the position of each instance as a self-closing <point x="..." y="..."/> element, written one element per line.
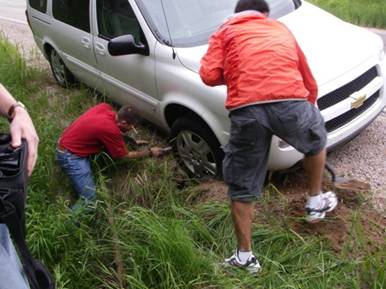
<point x="310" y="210"/>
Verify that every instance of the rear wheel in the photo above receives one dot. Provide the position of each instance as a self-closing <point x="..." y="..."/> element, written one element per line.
<point x="197" y="148"/>
<point x="61" y="73"/>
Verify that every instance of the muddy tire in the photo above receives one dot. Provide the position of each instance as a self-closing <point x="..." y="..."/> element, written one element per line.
<point x="196" y="148"/>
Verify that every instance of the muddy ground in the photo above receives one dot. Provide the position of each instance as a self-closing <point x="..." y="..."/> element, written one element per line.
<point x="285" y="197"/>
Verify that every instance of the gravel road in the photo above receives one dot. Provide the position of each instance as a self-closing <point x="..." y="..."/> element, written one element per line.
<point x="363" y="159"/>
<point x="21" y="35"/>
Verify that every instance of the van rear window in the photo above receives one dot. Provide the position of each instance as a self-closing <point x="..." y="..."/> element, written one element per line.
<point x="40" y="5"/>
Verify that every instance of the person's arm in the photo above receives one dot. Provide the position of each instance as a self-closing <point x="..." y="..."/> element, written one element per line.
<point x="116" y="146"/>
<point x="21" y="126"/>
<point x="138" y="154"/>
<point x="6" y="100"/>
<point x="152" y="152"/>
<point x="211" y="70"/>
<point x="308" y="78"/>
<point x="141" y="142"/>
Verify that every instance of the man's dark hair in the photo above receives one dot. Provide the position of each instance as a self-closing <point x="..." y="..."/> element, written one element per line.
<point x="128" y="114"/>
<point x="258" y="5"/>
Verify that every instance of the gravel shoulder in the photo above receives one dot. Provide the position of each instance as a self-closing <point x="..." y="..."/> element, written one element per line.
<point x="363" y="159"/>
<point x="21" y="36"/>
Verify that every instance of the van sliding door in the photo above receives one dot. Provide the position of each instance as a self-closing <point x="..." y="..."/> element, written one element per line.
<point x="74" y="39"/>
<point x="129" y="79"/>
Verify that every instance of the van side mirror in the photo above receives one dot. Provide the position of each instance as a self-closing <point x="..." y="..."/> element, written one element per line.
<point x="125" y="44"/>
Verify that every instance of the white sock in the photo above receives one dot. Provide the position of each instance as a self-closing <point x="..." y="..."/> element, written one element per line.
<point x="315" y="201"/>
<point x="244" y="255"/>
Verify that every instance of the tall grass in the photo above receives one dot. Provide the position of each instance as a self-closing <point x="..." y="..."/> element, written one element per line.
<point x="370" y="13"/>
<point x="146" y="231"/>
<point x="14" y="70"/>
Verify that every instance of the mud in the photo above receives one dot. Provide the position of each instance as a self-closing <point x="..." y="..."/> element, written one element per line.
<point x="353" y="221"/>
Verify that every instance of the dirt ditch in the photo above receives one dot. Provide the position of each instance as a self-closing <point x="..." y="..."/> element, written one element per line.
<point x="354" y="220"/>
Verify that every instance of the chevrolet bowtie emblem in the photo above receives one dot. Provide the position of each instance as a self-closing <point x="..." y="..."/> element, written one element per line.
<point x="358" y="100"/>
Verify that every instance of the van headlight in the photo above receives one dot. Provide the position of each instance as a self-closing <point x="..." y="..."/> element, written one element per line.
<point x="381" y="54"/>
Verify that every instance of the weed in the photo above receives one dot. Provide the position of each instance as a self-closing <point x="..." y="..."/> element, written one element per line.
<point x="370" y="13"/>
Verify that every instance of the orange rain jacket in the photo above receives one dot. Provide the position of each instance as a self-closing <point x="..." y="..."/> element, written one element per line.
<point x="259" y="60"/>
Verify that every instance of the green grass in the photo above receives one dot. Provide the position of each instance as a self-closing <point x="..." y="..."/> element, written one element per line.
<point x="369" y="13"/>
<point x="147" y="232"/>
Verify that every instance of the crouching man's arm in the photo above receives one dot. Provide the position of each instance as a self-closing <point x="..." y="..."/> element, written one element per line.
<point x="152" y="152"/>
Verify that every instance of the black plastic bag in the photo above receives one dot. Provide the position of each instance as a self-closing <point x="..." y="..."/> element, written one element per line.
<point x="13" y="188"/>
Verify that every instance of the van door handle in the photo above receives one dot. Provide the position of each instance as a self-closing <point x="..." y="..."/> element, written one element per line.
<point x="100" y="49"/>
<point x="86" y="42"/>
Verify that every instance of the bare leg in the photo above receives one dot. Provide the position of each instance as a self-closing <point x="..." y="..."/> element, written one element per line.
<point x="243" y="215"/>
<point x="314" y="166"/>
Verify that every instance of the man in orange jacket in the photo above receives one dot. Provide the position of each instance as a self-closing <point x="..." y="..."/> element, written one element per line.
<point x="271" y="91"/>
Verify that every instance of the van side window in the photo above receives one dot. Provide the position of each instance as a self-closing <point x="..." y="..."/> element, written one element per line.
<point x="116" y="18"/>
<point x="73" y="12"/>
<point x="40" y="5"/>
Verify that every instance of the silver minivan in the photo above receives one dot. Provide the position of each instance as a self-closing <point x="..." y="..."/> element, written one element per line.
<point x="147" y="53"/>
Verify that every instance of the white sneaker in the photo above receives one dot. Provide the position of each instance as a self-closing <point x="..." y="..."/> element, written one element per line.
<point x="326" y="203"/>
<point x="252" y="265"/>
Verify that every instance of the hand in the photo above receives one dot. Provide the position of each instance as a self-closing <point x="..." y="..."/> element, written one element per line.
<point x="156" y="151"/>
<point x="22" y="127"/>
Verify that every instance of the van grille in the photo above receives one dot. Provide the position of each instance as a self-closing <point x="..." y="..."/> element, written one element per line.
<point x="341" y="120"/>
<point x="344" y="92"/>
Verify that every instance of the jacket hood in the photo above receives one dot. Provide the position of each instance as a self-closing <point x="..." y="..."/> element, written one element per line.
<point x="244" y="16"/>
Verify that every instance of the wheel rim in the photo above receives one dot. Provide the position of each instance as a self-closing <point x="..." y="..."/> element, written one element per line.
<point x="196" y="154"/>
<point x="58" y="67"/>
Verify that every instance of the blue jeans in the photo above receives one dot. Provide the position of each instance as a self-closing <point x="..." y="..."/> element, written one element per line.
<point x="79" y="171"/>
<point x="11" y="271"/>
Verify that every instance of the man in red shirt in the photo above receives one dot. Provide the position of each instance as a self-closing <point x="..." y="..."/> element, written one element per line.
<point x="271" y="91"/>
<point x="97" y="129"/>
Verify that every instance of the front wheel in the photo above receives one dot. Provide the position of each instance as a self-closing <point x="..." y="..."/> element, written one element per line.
<point x="197" y="148"/>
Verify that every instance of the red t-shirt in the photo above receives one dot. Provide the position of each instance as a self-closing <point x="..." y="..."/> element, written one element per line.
<point x="93" y="131"/>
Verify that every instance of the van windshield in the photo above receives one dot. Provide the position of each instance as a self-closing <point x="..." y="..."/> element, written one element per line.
<point x="191" y="22"/>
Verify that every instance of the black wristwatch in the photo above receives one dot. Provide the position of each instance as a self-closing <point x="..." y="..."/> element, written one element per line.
<point x="11" y="110"/>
